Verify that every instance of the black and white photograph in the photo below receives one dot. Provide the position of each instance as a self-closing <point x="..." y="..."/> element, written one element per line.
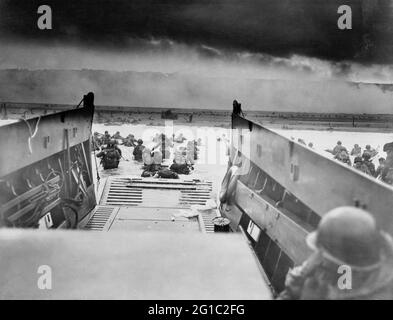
<point x="202" y="153"/>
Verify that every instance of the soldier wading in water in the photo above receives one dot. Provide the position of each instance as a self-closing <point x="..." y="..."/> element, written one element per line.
<point x="110" y="156"/>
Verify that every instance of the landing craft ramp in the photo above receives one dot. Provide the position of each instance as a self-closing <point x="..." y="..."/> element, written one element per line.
<point x="134" y="203"/>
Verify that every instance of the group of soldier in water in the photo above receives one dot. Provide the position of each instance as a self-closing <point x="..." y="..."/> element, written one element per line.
<point x="111" y="154"/>
<point x="184" y="157"/>
<point x="363" y="161"/>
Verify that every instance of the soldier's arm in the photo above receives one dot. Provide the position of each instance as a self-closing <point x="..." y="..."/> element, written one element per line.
<point x="294" y="282"/>
<point x="296" y="278"/>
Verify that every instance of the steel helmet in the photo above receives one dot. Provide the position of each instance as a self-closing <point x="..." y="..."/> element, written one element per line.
<point x="348" y="235"/>
<point x="388" y="146"/>
<point x="358" y="159"/>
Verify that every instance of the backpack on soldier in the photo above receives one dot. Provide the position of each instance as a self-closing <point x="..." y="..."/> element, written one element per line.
<point x="167" y="174"/>
<point x="111" y="159"/>
<point x="180" y="168"/>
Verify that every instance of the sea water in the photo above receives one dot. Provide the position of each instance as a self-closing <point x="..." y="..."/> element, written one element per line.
<point x="213" y="158"/>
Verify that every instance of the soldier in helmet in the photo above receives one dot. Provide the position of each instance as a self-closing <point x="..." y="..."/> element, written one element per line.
<point x="96" y="141"/>
<point x="343" y="156"/>
<point x="359" y="164"/>
<point x="370" y="165"/>
<point x="138" y="150"/>
<point x="387" y="171"/>
<point x="339" y="148"/>
<point x="106" y="138"/>
<point x="371" y="151"/>
<point x="356" y="151"/>
<point x="110" y="156"/>
<point x="117" y="136"/>
<point x="346" y="236"/>
<point x="129" y="141"/>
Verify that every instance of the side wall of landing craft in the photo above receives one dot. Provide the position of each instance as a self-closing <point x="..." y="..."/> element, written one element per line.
<point x="285" y="189"/>
<point x="45" y="166"/>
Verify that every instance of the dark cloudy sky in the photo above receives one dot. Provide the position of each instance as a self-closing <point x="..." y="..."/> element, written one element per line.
<point x="199" y="53"/>
<point x="277" y="27"/>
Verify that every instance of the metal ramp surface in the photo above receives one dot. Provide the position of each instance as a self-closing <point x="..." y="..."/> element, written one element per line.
<point x="151" y="192"/>
<point x="135" y="204"/>
<point x="102" y="218"/>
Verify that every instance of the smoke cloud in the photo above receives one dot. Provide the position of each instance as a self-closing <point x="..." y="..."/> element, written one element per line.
<point x="149" y="89"/>
<point x="270" y="55"/>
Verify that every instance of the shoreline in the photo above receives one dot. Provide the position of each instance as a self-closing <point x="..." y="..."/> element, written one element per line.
<point x="118" y="115"/>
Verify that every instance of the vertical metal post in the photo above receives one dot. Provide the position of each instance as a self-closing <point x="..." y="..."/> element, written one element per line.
<point x="86" y="162"/>
<point x="67" y="161"/>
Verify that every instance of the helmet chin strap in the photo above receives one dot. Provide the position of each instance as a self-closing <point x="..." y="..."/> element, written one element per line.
<point x="325" y="254"/>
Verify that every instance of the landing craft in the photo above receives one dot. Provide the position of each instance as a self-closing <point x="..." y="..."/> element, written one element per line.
<point x="48" y="169"/>
<point x="147" y="238"/>
<point x="136" y="238"/>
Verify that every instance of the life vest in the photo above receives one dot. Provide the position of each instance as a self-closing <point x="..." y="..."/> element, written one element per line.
<point x="228" y="185"/>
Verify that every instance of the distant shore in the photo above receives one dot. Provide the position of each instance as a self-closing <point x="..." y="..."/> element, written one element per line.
<point x="215" y="118"/>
